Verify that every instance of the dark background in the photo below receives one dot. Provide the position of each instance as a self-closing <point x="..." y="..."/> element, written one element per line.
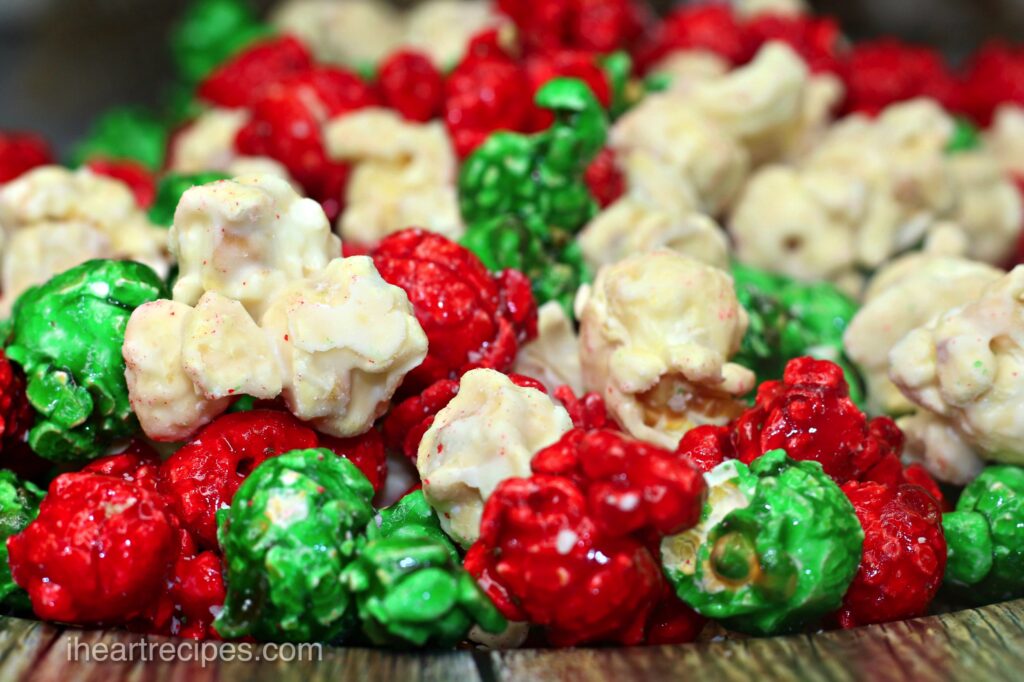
<point x="64" y="61"/>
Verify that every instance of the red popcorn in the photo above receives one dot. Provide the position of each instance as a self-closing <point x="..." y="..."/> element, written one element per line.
<point x="673" y="622"/>
<point x="994" y="76"/>
<point x="138" y="179"/>
<point x="411" y="85"/>
<point x="629" y="485"/>
<point x="707" y="446"/>
<point x="564" y="64"/>
<point x="588" y="413"/>
<point x="487" y="91"/>
<point x="817" y="40"/>
<point x="705" y="27"/>
<point x="886" y="71"/>
<point x="541" y="558"/>
<point x="904" y="556"/>
<point x="21" y="152"/>
<point x="196" y="590"/>
<point x="471" y="317"/>
<point x="100" y="550"/>
<point x="809" y="414"/>
<point x="204" y="475"/>
<point x="409" y="420"/>
<point x="594" y="25"/>
<point x="16" y="414"/>
<point x="604" y="179"/>
<point x="366" y="451"/>
<point x="241" y="81"/>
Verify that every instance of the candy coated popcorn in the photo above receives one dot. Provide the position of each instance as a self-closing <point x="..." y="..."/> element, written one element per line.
<point x="19" y="506"/>
<point x="471" y="317"/>
<point x="403" y="175"/>
<point x="210" y="32"/>
<point x="487" y="433"/>
<point x="339" y="368"/>
<point x="411" y="85"/>
<point x="660" y="358"/>
<point x="246" y="239"/>
<point x="553" y="358"/>
<point x="287" y="536"/>
<point x="16" y="413"/>
<point x="240" y="81"/>
<point x="986" y="545"/>
<point x="893" y="306"/>
<point x="593" y="25"/>
<point x="67" y="336"/>
<point x="990" y="209"/>
<point x="20" y="153"/>
<point x="776" y="548"/>
<point x="126" y="135"/>
<point x="886" y="71"/>
<point x="101" y="548"/>
<point x="904" y="556"/>
<point x="135" y="176"/>
<point x="53" y="219"/>
<point x="203" y="476"/>
<point x="961" y="367"/>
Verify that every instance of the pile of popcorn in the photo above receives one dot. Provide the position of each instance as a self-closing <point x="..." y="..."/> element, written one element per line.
<point x="481" y="322"/>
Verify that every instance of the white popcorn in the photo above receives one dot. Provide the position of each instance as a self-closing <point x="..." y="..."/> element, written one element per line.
<point x="553" y="358"/>
<point x="965" y="368"/>
<point x="751" y="8"/>
<point x="345" y="339"/>
<point x="1005" y="138"/>
<point x="934" y="443"/>
<point x="657" y="331"/>
<point x="164" y="398"/>
<point x="208" y="142"/>
<point x="906" y="293"/>
<point x="489" y="432"/>
<point x="684" y="69"/>
<point x="246" y="239"/>
<point x="652" y="214"/>
<point x="989" y="208"/>
<point x="53" y="218"/>
<point x="360" y="33"/>
<point x="403" y="175"/>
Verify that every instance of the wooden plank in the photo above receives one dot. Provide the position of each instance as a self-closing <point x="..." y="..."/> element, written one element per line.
<point x="973" y="645"/>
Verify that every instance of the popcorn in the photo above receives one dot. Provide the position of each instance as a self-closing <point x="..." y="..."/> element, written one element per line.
<point x="208" y="142"/>
<point x="53" y="218"/>
<point x="963" y="369"/>
<point x="749" y="8"/>
<point x="403" y="175"/>
<point x="659" y="355"/>
<point x="246" y="239"/>
<point x="653" y="214"/>
<point x="345" y="339"/>
<point x="989" y="209"/>
<point x="553" y="358"/>
<point x="1005" y="138"/>
<point x="489" y="432"/>
<point x="906" y="293"/>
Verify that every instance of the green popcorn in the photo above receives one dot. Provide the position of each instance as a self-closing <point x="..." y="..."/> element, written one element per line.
<point x="19" y="505"/>
<point x="524" y="196"/>
<point x="985" y="537"/>
<point x="551" y="258"/>
<point x="791" y="319"/>
<point x="170" y="189"/>
<point x="210" y="33"/>
<point x="410" y="588"/>
<point x="776" y="549"/>
<point x="411" y="516"/>
<point x="67" y="335"/>
<point x="291" y="530"/>
<point x="965" y="137"/>
<point x="126" y="133"/>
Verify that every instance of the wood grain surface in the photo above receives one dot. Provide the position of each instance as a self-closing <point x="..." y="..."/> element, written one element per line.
<point x="976" y="645"/>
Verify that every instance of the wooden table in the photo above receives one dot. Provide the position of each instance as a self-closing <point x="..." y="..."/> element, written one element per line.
<point x="976" y="645"/>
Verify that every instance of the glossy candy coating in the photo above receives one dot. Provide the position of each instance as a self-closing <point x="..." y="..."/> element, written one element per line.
<point x="411" y="516"/>
<point x="138" y="179"/>
<point x="904" y="554"/>
<point x="170" y="189"/>
<point x="790" y="319"/>
<point x="593" y="25"/>
<point x="16" y="414"/>
<point x="125" y="134"/>
<point x="986" y="537"/>
<point x="67" y="336"/>
<point x="288" y="535"/>
<point x="102" y="546"/>
<point x="19" y="505"/>
<point x="411" y="85"/>
<point x="780" y="558"/>
<point x="21" y="152"/>
<point x="211" y="32"/>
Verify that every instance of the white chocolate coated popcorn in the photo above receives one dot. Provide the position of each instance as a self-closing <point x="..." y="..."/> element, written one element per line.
<point x="53" y="218"/>
<point x="403" y="175"/>
<point x="906" y="293"/>
<point x="441" y="29"/>
<point x="684" y="69"/>
<point x="246" y="239"/>
<point x="488" y="432"/>
<point x="208" y="142"/>
<point x="1005" y="138"/>
<point x="652" y="214"/>
<point x="164" y="398"/>
<point x="656" y="334"/>
<point x="345" y="339"/>
<point x="553" y="358"/>
<point x="934" y="443"/>
<point x="989" y="208"/>
<point x="966" y="369"/>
